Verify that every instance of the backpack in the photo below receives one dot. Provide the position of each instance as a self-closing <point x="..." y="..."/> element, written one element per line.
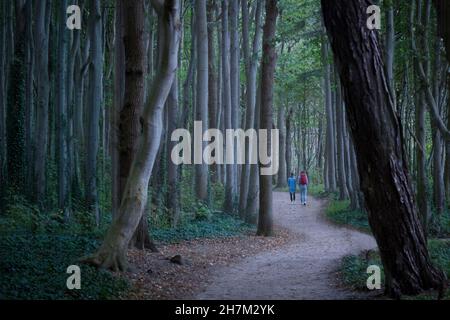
<point x="303" y="179"/>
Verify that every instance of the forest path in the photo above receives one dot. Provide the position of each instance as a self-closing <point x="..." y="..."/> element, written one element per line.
<point x="304" y="268"/>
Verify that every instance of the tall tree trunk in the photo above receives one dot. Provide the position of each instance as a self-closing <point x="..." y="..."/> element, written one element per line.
<point x="72" y="146"/>
<point x="41" y="39"/>
<point x="330" y="170"/>
<point x="252" y="208"/>
<point x="390" y="201"/>
<point x="282" y="172"/>
<point x="112" y="253"/>
<point x="118" y="102"/>
<point x="343" y="192"/>
<point x="390" y="46"/>
<point x="447" y="148"/>
<point x="29" y="101"/>
<point x="421" y="157"/>
<point x="188" y="82"/>
<point x="130" y="127"/>
<point x="201" y="110"/>
<point x="3" y="74"/>
<point x="268" y="63"/>
<point x="15" y="118"/>
<point x="62" y="123"/>
<point x="353" y="194"/>
<point x="80" y="102"/>
<point x="438" y="146"/>
<point x="173" y="203"/>
<point x="228" y="123"/>
<point x="94" y="107"/>
<point x="289" y="166"/>
<point x="212" y="78"/>
<point x="443" y="17"/>
<point x="251" y="61"/>
<point x="359" y="196"/>
<point x="234" y="84"/>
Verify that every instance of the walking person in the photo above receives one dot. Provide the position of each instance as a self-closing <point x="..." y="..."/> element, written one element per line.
<point x="303" y="182"/>
<point x="292" y="183"/>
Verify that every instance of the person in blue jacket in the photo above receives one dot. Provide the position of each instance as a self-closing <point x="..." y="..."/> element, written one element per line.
<point x="292" y="183"/>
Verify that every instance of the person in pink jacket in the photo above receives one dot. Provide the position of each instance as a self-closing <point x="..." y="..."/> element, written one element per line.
<point x="303" y="182"/>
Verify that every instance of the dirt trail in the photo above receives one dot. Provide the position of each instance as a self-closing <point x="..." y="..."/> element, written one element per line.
<point x="305" y="268"/>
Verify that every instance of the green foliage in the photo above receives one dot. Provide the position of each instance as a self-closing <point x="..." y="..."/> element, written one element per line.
<point x="219" y="225"/>
<point x="339" y="212"/>
<point x="19" y="213"/>
<point x="218" y="195"/>
<point x="316" y="190"/>
<point x="33" y="266"/>
<point x="36" y="248"/>
<point x="202" y="211"/>
<point x="353" y="268"/>
<point x="440" y="225"/>
<point x="440" y="254"/>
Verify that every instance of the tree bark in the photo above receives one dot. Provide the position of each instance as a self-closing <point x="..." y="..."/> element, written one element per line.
<point x="118" y="98"/>
<point x="421" y="157"/>
<point x="29" y="101"/>
<point x="234" y="85"/>
<point x="41" y="39"/>
<point x="251" y="61"/>
<point x="228" y="122"/>
<point x="130" y="126"/>
<point x="173" y="203"/>
<point x="94" y="106"/>
<point x="201" y="110"/>
<point x="252" y="206"/>
<point x="443" y="17"/>
<point x="212" y="78"/>
<point x="268" y="63"/>
<point x="282" y="172"/>
<point x="390" y="46"/>
<point x="289" y="167"/>
<point x="343" y="192"/>
<point x="390" y="201"/>
<point x="62" y="123"/>
<point x="3" y="74"/>
<point x="330" y="170"/>
<point x="438" y="143"/>
<point x="15" y="117"/>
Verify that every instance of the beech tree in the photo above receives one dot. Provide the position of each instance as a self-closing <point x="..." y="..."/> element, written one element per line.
<point x="41" y="39"/>
<point x="268" y="63"/>
<point x="201" y="170"/>
<point x="251" y="68"/>
<point x="15" y="113"/>
<point x="112" y="253"/>
<point x="227" y="105"/>
<point x="94" y="106"/>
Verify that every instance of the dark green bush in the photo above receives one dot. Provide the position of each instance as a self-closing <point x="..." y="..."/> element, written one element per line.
<point x="219" y="225"/>
<point x="353" y="268"/>
<point x="33" y="266"/>
<point x="339" y="212"/>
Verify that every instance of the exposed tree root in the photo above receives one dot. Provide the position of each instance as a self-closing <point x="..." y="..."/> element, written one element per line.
<point x="113" y="261"/>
